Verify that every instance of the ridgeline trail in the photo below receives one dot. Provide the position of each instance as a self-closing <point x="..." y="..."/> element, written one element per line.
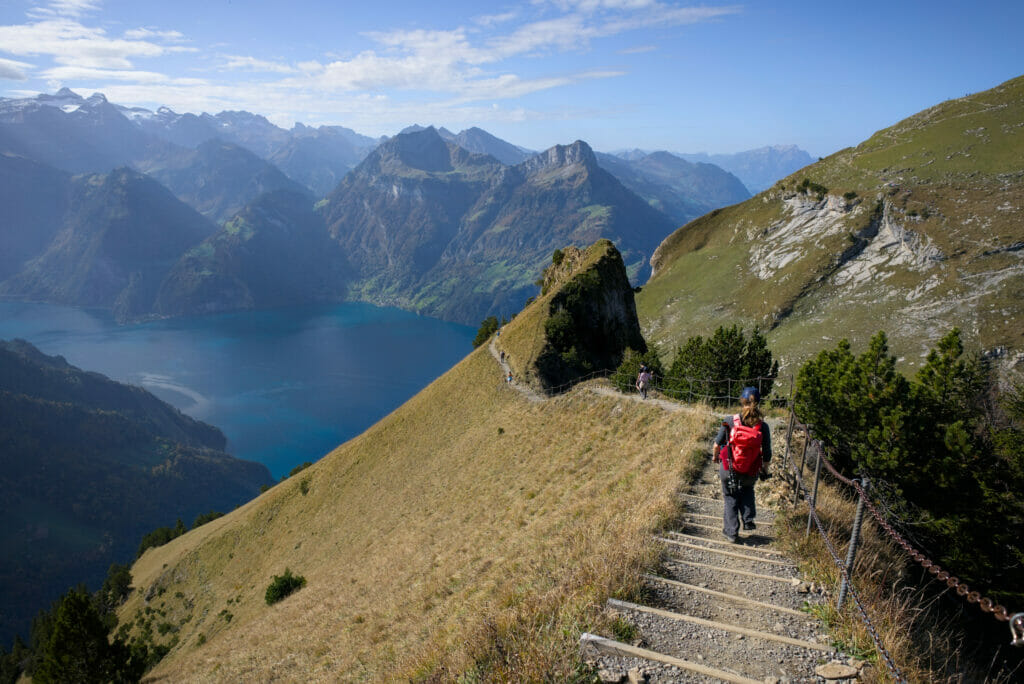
<point x="716" y="611"/>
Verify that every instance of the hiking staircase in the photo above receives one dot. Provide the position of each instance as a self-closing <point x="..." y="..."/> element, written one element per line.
<point x="717" y="611"/>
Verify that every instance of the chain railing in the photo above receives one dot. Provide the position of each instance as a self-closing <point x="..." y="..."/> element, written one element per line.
<point x="999" y="612"/>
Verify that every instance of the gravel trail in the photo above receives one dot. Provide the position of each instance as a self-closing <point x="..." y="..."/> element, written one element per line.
<point x="699" y="568"/>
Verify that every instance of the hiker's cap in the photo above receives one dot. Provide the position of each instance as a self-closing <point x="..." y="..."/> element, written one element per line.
<point x="751" y="393"/>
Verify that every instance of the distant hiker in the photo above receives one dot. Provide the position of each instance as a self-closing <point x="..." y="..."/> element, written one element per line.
<point x="643" y="381"/>
<point x="503" y="356"/>
<point x="508" y="378"/>
<point x="744" y="449"/>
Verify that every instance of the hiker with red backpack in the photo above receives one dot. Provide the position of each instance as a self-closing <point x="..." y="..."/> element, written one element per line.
<point x="744" y="448"/>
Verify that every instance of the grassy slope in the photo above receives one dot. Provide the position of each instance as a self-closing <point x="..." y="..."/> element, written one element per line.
<point x="467" y="524"/>
<point x="951" y="173"/>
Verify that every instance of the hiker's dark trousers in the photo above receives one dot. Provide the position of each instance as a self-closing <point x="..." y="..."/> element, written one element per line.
<point x="738" y="505"/>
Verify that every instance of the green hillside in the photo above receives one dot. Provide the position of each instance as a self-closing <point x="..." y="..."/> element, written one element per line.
<point x="915" y="230"/>
<point x="473" y="530"/>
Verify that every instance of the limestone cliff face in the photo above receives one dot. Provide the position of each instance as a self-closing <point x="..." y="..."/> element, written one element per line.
<point x="591" y="316"/>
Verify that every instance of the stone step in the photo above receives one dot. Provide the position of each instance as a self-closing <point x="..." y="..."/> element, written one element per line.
<point x="749" y="546"/>
<point x="722" y="646"/>
<point x="591" y="643"/>
<point x="717" y="624"/>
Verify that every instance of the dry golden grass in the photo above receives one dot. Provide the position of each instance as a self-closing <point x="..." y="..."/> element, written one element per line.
<point x="925" y="649"/>
<point x="469" y="532"/>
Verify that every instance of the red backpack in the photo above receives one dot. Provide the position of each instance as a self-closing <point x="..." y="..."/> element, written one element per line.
<point x="745" y="447"/>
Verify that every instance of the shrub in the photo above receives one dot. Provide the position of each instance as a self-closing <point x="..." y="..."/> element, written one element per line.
<point x="283" y="586"/>
<point x="204" y="518"/>
<point x="304" y="486"/>
<point x="487" y="328"/>
<point x="160" y="536"/>
<point x="716" y="369"/>
<point x="944" y="456"/>
<point x="851" y="195"/>
<point x="299" y="468"/>
<point x="557" y="257"/>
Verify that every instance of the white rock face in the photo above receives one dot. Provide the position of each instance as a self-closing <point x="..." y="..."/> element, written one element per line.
<point x="809" y="221"/>
<point x="894" y="245"/>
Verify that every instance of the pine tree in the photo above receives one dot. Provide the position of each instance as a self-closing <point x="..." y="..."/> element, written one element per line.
<point x="78" y="650"/>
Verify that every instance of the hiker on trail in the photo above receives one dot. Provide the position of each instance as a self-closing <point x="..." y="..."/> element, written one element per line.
<point x="744" y="448"/>
<point x="643" y="380"/>
<point x="508" y="378"/>
<point x="503" y="356"/>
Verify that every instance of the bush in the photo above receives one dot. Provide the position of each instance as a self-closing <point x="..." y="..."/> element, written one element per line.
<point x="204" y="518"/>
<point x="161" y="536"/>
<point x="945" y="457"/>
<point x="718" y="368"/>
<point x="299" y="468"/>
<point x="283" y="586"/>
<point x="487" y="328"/>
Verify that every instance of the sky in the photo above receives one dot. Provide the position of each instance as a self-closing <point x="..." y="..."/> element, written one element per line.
<point x="620" y="74"/>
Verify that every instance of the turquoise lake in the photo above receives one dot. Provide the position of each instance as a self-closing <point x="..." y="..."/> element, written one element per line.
<point x="285" y="386"/>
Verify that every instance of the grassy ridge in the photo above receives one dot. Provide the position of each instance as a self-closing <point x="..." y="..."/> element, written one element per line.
<point x="949" y="176"/>
<point x="470" y="530"/>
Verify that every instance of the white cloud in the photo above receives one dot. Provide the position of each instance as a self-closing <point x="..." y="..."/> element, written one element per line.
<point x="156" y="34"/>
<point x="65" y="8"/>
<point x="638" y="50"/>
<point x="254" y="64"/>
<point x="13" y="71"/>
<point x="64" y="74"/>
<point x="488" y="20"/>
<point x="69" y="42"/>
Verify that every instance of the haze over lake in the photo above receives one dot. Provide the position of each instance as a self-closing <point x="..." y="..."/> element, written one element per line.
<point x="285" y="386"/>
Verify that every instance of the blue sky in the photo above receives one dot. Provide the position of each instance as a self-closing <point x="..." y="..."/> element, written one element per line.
<point x="653" y="74"/>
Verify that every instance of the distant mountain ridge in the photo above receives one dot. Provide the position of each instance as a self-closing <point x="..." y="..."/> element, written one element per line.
<point x="453" y="225"/>
<point x="88" y="466"/>
<point x="758" y="168"/>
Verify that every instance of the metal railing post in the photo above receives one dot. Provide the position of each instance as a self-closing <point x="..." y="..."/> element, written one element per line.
<point x="789" y="431"/>
<point x="814" y="492"/>
<point x="851" y="552"/>
<point x="798" y="475"/>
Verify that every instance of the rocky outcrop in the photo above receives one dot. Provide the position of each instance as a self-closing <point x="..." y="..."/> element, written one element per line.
<point x="591" y="317"/>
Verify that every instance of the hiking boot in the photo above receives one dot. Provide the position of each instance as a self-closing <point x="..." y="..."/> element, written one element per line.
<point x="749" y="526"/>
<point x="731" y="537"/>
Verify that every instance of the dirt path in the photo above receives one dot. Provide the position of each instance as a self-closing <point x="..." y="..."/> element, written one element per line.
<point x="521" y="387"/>
<point x="718" y="611"/>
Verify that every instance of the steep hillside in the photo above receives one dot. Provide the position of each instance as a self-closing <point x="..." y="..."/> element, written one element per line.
<point x="217" y="179"/>
<point x="913" y="231"/>
<point x="87" y="466"/>
<point x="471" y="531"/>
<point x="119" y="237"/>
<point x="275" y="252"/>
<point x="34" y="198"/>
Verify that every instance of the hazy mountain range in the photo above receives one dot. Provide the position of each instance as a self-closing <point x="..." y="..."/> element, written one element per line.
<point x="454" y="225"/>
